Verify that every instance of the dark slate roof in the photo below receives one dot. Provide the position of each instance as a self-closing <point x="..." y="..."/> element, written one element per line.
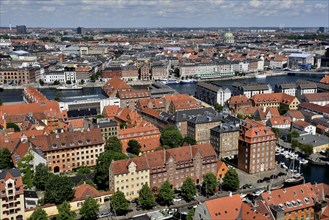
<point x="30" y="194"/>
<point x="186" y="114"/>
<point x="209" y="86"/>
<point x="14" y="172"/>
<point x="226" y="127"/>
<point x="79" y="179"/>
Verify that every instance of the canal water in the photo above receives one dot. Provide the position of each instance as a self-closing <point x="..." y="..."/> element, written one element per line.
<point x="311" y="172"/>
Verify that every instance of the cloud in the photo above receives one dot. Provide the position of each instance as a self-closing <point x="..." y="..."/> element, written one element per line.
<point x="47" y="9"/>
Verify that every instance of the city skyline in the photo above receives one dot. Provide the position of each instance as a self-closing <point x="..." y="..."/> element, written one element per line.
<point x="166" y="13"/>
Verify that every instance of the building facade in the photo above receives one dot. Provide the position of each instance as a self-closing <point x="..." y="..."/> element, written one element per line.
<point x="212" y="94"/>
<point x="12" y="195"/>
<point x="256" y="148"/>
<point x="225" y="140"/>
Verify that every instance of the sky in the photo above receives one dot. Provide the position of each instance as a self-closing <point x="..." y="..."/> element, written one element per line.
<point x="164" y="13"/>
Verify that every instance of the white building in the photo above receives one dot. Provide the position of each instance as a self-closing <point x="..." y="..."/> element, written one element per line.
<point x="241" y="67"/>
<point x="296" y="60"/>
<point x="212" y="94"/>
<point x="305" y="88"/>
<point x="251" y="90"/>
<point x="304" y="126"/>
<point x="206" y="70"/>
<point x="288" y="88"/>
<point x="62" y="76"/>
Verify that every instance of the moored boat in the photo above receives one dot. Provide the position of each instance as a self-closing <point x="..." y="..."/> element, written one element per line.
<point x="188" y="81"/>
<point x="69" y="87"/>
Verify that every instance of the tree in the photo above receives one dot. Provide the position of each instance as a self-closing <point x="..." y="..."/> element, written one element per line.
<point x="239" y="116"/>
<point x="146" y="199"/>
<point x="38" y="214"/>
<point x="134" y="147"/>
<point x="56" y="82"/>
<point x="26" y="170"/>
<point x="276" y="131"/>
<point x="119" y="204"/>
<point x="189" y="140"/>
<point x="5" y="159"/>
<point x="41" y="176"/>
<point x="171" y="137"/>
<point x="123" y="125"/>
<point x="188" y="189"/>
<point x="82" y="82"/>
<point x="209" y="184"/>
<point x="102" y="167"/>
<point x="231" y="180"/>
<point x="14" y="126"/>
<point x="113" y="144"/>
<point x="190" y="214"/>
<point x="218" y="107"/>
<point x="68" y="82"/>
<point x="1" y="102"/>
<point x="83" y="170"/>
<point x="64" y="212"/>
<point x="306" y="149"/>
<point x="294" y="143"/>
<point x="283" y="109"/>
<point x="89" y="209"/>
<point x="165" y="193"/>
<point x="293" y="134"/>
<point x="58" y="189"/>
<point x="57" y="97"/>
<point x="41" y="82"/>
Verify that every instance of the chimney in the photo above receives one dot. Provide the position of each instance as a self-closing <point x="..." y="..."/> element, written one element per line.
<point x="230" y="194"/>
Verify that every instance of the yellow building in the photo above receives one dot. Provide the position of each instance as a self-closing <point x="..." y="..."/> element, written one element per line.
<point x="82" y="192"/>
<point x="12" y="195"/>
<point x="128" y="176"/>
<point x="274" y="100"/>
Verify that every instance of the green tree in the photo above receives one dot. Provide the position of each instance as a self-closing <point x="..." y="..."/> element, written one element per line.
<point x="57" y="97"/>
<point x="218" y="107"/>
<point x="188" y="189"/>
<point x="89" y="209"/>
<point x="123" y="125"/>
<point x="5" y="159"/>
<point x="113" y="144"/>
<point x="38" y="214"/>
<point x="209" y="184"/>
<point x="165" y="193"/>
<point x="58" y="189"/>
<point x="119" y="204"/>
<point x="306" y="149"/>
<point x="292" y="135"/>
<point x="56" y="82"/>
<point x="68" y="82"/>
<point x="14" y="126"/>
<point x="239" y="116"/>
<point x="171" y="137"/>
<point x="41" y="176"/>
<point x="134" y="147"/>
<point x="190" y="214"/>
<point x="1" y="102"/>
<point x="294" y="143"/>
<point x="64" y="212"/>
<point x="82" y="82"/>
<point x="146" y="199"/>
<point x="83" y="170"/>
<point x="26" y="169"/>
<point x="102" y="167"/>
<point x="189" y="140"/>
<point x="231" y="180"/>
<point x="41" y="82"/>
<point x="276" y="131"/>
<point x="283" y="109"/>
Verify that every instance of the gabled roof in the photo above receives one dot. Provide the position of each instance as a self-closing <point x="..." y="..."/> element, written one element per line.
<point x="225" y="207"/>
<point x="84" y="191"/>
<point x="295" y="114"/>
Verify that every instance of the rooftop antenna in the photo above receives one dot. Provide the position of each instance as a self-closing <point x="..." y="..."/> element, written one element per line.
<point x="10" y="25"/>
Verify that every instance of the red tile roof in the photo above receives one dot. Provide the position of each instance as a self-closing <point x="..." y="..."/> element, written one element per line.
<point x="280" y="120"/>
<point x="325" y="79"/>
<point x="84" y="191"/>
<point x="301" y="123"/>
<point x="225" y="207"/>
<point x="295" y="114"/>
<point x="272" y="98"/>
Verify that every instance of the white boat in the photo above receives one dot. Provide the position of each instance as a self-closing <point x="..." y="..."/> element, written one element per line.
<point x="260" y="76"/>
<point x="303" y="161"/>
<point x="242" y="195"/>
<point x="188" y="81"/>
<point x="170" y="81"/>
<point x="284" y="166"/>
<point x="74" y="87"/>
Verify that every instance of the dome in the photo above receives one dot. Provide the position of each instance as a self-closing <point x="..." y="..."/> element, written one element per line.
<point x="228" y="35"/>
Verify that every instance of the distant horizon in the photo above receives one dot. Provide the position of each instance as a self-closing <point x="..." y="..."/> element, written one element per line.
<point x="164" y="13"/>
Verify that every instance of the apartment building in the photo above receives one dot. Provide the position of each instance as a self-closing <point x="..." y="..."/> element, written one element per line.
<point x="154" y="168"/>
<point x="129" y="176"/>
<point x="199" y="126"/>
<point x="128" y="99"/>
<point x="236" y="102"/>
<point x="147" y="135"/>
<point x="304" y="126"/>
<point x="204" y="71"/>
<point x="256" y="147"/>
<point x="212" y="94"/>
<point x="68" y="74"/>
<point x="159" y="72"/>
<point x="67" y="151"/>
<point x="17" y="76"/>
<point x="113" y="71"/>
<point x="145" y="73"/>
<point x="107" y="126"/>
<point x="288" y="88"/>
<point x="129" y="73"/>
<point x="251" y="90"/>
<point x="225" y="139"/>
<point x="321" y="99"/>
<point x="12" y="195"/>
<point x="278" y="62"/>
<point x="275" y="100"/>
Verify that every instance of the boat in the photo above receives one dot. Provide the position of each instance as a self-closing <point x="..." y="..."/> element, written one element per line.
<point x="170" y="81"/>
<point x="260" y="76"/>
<point x="188" y="81"/>
<point x="162" y="214"/>
<point x="242" y="195"/>
<point x="74" y="87"/>
<point x="294" y="177"/>
<point x="303" y="161"/>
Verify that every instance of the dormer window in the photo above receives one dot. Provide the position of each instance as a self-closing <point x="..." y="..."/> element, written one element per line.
<point x="80" y="142"/>
<point x="54" y="145"/>
<point x="88" y="141"/>
<point x="71" y="143"/>
<point x="307" y="200"/>
<point x="299" y="202"/>
<point x="288" y="204"/>
<point x="63" y="144"/>
<point x="294" y="203"/>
